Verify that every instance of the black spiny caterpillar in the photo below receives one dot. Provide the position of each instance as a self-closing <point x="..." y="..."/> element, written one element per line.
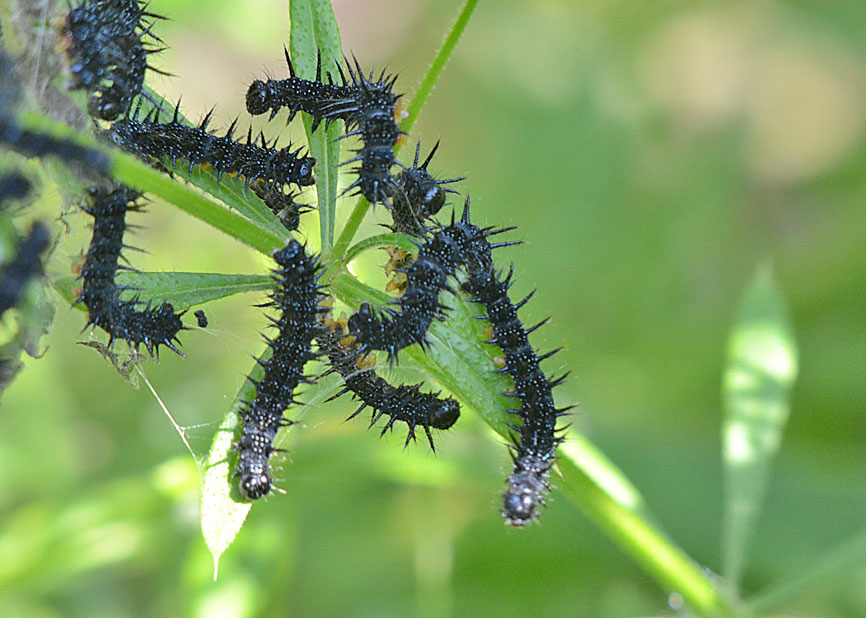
<point x="297" y="297"/>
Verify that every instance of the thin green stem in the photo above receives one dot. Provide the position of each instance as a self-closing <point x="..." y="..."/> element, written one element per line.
<point x="133" y="172"/>
<point x="350" y="229"/>
<point x="425" y="88"/>
<point x="841" y="561"/>
<point x="381" y="240"/>
<point x="422" y="93"/>
<point x="645" y="544"/>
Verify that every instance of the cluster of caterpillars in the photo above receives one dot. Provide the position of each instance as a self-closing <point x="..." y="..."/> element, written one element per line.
<point x="107" y="54"/>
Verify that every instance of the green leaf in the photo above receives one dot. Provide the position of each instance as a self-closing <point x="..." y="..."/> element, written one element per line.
<point x="382" y="240"/>
<point x="183" y="290"/>
<point x="314" y="31"/>
<point x="223" y="509"/>
<point x="761" y="369"/>
<point x="230" y="189"/>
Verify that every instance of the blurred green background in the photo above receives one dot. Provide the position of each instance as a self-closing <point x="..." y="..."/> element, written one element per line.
<point x="652" y="153"/>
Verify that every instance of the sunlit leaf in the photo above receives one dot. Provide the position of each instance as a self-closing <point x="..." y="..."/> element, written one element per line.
<point x="761" y="368"/>
<point x="314" y="31"/>
<point x="183" y="290"/>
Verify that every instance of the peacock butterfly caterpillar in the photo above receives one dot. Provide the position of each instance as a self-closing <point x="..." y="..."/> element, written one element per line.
<point x="417" y="195"/>
<point x="536" y="437"/>
<point x="365" y="103"/>
<point x="254" y="159"/>
<point x="404" y="403"/>
<point x="16" y="273"/>
<point x="438" y="258"/>
<point x="282" y="204"/>
<point x="297" y="297"/>
<point x="121" y="319"/>
<point x="104" y="41"/>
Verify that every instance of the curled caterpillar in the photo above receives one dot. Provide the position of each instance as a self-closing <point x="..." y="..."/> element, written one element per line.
<point x="121" y="319"/>
<point x="296" y="296"/>
<point x="107" y="56"/>
<point x="438" y="258"/>
<point x="417" y="196"/>
<point x="404" y="403"/>
<point x="16" y="273"/>
<point x="365" y="103"/>
<point x="176" y="141"/>
<point x="536" y="437"/>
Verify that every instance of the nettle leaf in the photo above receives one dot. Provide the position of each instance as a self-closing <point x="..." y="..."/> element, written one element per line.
<point x="183" y="290"/>
<point x="314" y="31"/>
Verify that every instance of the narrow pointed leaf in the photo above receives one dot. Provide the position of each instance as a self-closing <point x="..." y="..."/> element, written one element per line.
<point x="761" y="368"/>
<point x="315" y="31"/>
<point x="183" y="290"/>
<point x="223" y="510"/>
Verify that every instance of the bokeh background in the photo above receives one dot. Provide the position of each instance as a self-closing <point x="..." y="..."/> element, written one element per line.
<point x="653" y="155"/>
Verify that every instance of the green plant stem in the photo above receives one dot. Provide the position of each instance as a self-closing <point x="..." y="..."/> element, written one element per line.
<point x="133" y="172"/>
<point x="423" y="92"/>
<point x="350" y="229"/>
<point x="648" y="547"/>
<point x="838" y="563"/>
<point x="425" y="88"/>
<point x="382" y="240"/>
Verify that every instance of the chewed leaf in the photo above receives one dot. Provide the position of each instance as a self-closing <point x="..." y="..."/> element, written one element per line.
<point x="761" y="368"/>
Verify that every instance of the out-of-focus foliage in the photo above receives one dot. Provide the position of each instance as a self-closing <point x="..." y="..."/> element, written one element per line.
<point x="652" y="154"/>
